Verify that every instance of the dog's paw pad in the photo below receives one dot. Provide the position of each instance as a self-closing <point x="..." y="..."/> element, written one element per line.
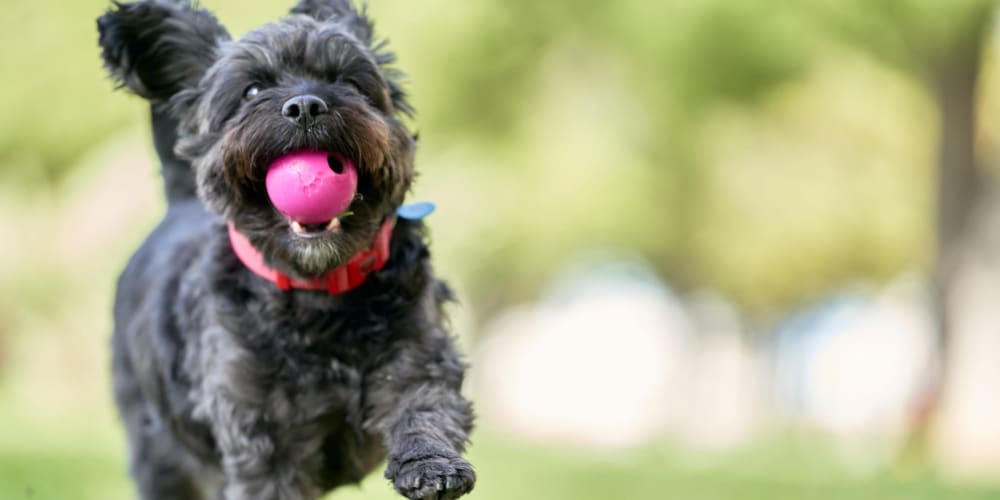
<point x="432" y="478"/>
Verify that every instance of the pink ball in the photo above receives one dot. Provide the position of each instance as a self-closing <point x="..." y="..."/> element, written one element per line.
<point x="304" y="186"/>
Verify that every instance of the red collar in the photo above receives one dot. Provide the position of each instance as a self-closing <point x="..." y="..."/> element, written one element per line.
<point x="339" y="280"/>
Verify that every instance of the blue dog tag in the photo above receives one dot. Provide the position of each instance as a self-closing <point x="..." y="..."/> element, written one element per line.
<point x="416" y="211"/>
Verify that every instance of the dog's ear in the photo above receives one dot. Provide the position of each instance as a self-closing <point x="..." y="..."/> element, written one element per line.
<point x="340" y="10"/>
<point x="360" y="24"/>
<point x="156" y="48"/>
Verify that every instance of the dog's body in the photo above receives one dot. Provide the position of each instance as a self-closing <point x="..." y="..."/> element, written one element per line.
<point x="229" y="387"/>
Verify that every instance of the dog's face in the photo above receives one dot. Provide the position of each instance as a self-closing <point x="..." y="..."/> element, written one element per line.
<point x="312" y="81"/>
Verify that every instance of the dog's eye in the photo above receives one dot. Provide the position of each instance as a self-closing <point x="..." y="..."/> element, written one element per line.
<point x="251" y="91"/>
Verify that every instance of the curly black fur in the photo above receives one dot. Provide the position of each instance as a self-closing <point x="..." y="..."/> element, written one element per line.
<point x="228" y="387"/>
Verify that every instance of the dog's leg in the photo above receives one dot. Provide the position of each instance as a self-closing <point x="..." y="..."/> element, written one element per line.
<point x="156" y="474"/>
<point x="264" y="455"/>
<point x="414" y="401"/>
<point x="257" y="463"/>
<point x="154" y="459"/>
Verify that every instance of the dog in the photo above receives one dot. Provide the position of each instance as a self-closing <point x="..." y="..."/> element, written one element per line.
<point x="254" y="357"/>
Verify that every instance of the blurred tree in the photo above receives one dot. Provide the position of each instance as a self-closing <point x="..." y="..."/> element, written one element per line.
<point x="57" y="103"/>
<point x="685" y="61"/>
<point x="941" y="45"/>
<point x="51" y="69"/>
<point x="593" y="114"/>
<point x="678" y="62"/>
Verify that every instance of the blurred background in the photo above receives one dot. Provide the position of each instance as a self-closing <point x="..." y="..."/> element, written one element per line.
<point x="706" y="249"/>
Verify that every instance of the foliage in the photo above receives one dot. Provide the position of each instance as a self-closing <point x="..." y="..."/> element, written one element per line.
<point x="769" y="150"/>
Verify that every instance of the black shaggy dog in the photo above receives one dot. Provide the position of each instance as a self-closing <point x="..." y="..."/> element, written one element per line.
<point x="235" y="387"/>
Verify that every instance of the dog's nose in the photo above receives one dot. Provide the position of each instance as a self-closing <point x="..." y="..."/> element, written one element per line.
<point x="304" y="109"/>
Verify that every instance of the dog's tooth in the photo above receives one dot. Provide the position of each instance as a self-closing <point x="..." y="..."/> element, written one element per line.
<point x="297" y="227"/>
<point x="334" y="224"/>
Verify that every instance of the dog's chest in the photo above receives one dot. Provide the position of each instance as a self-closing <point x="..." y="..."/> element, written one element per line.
<point x="307" y="374"/>
<point x="294" y="391"/>
<point x="292" y="370"/>
<point x="314" y="384"/>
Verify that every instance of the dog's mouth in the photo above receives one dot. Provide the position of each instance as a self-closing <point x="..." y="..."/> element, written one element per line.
<point x="308" y="187"/>
<point x="333" y="226"/>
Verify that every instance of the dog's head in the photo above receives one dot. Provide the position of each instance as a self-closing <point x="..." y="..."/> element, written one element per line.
<point x="315" y="80"/>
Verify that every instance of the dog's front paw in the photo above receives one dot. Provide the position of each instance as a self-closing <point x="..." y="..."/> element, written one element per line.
<point x="431" y="477"/>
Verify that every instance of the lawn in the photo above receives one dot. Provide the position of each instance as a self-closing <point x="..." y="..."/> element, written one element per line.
<point x="87" y="464"/>
<point x="59" y="440"/>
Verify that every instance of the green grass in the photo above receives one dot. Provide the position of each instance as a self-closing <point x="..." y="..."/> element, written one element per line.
<point x="61" y="475"/>
<point x="59" y="440"/>
<point x="89" y="466"/>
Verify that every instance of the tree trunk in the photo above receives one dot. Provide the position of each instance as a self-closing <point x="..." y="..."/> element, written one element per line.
<point x="953" y="79"/>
